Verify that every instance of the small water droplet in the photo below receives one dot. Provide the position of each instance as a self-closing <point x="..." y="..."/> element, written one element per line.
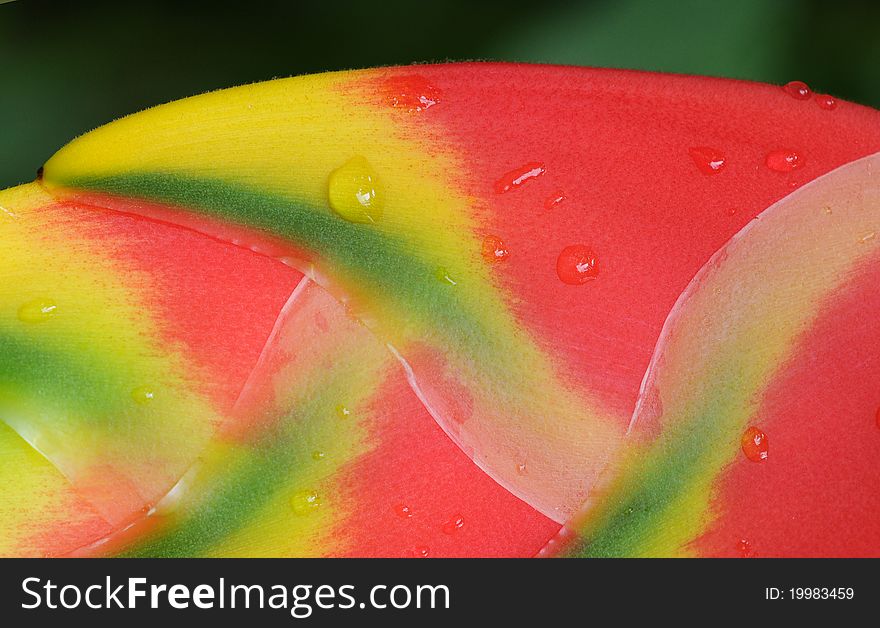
<point x="420" y="551"/>
<point x="708" y="160"/>
<point x="867" y="237"/>
<point x="305" y="502"/>
<point x="318" y="455"/>
<point x="516" y="178"/>
<point x="521" y="468"/>
<point x="554" y="199"/>
<point x="494" y="249"/>
<point x="783" y="160"/>
<point x="403" y="511"/>
<point x="577" y="264"/>
<point x="443" y="275"/>
<point x="453" y="525"/>
<point x="143" y="394"/>
<point x="342" y="411"/>
<point x="744" y="548"/>
<point x="411" y="93"/>
<point x="37" y="311"/>
<point x="798" y="89"/>
<point x="829" y="211"/>
<point x="355" y="193"/>
<point x="754" y="445"/>
<point x="826" y="102"/>
<point x="731" y="211"/>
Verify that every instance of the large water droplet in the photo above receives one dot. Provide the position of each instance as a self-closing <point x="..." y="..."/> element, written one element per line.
<point x="708" y="160"/>
<point x="515" y="178"/>
<point x="37" y="311"/>
<point x="798" y="89"/>
<point x="355" y="193"/>
<point x="143" y="395"/>
<point x="577" y="264"/>
<point x="453" y="525"/>
<point x="494" y="249"/>
<point x="826" y="102"/>
<point x="783" y="160"/>
<point x="411" y="93"/>
<point x="754" y="445"/>
<point x="305" y="502"/>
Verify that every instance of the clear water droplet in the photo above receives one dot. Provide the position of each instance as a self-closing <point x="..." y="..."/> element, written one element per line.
<point x="318" y="455"/>
<point x="494" y="249"/>
<point x="355" y="192"/>
<point x="554" y="199"/>
<point x="443" y="276"/>
<point x="708" y="160"/>
<point x="420" y="551"/>
<point x="577" y="264"/>
<point x="412" y="93"/>
<point x="826" y="102"/>
<point x="798" y="89"/>
<point x="867" y="237"/>
<point x="403" y="511"/>
<point x="342" y="411"/>
<point x="37" y="311"/>
<point x="521" y="468"/>
<point x="143" y="395"/>
<point x="783" y="160"/>
<point x="754" y="445"/>
<point x="517" y="177"/>
<point x="453" y="525"/>
<point x="305" y="502"/>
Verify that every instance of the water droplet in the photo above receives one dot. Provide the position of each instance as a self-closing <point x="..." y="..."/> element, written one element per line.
<point x="305" y="502"/>
<point x="798" y="89"/>
<point x="143" y="394"/>
<point x="515" y="178"/>
<point x="403" y="511"/>
<point x="829" y="211"/>
<point x="754" y="444"/>
<point x="411" y="93"/>
<point x="494" y="249"/>
<point x="708" y="160"/>
<point x="318" y="455"/>
<point x="554" y="199"/>
<point x="443" y="275"/>
<point x="355" y="193"/>
<point x="577" y="264"/>
<point x="453" y="525"/>
<point x="420" y="551"/>
<point x="783" y="160"/>
<point x="826" y="102"/>
<point x="342" y="411"/>
<point x="867" y="237"/>
<point x="521" y="468"/>
<point x="37" y="311"/>
<point x="744" y="548"/>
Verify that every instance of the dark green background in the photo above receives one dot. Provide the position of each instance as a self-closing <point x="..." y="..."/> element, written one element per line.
<point x="67" y="67"/>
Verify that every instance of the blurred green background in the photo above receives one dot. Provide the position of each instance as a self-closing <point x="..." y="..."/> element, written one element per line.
<point x="67" y="67"/>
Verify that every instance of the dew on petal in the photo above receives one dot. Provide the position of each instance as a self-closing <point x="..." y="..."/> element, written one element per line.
<point x="494" y="249"/>
<point x="783" y="160"/>
<point x="708" y="160"/>
<point x="577" y="264"/>
<point x="403" y="511"/>
<point x="798" y="89"/>
<point x="305" y="502"/>
<point x="554" y="199"/>
<point x="143" y="394"/>
<point x="516" y="178"/>
<point x="826" y="102"/>
<point x="355" y="193"/>
<point x="411" y="93"/>
<point x="754" y="444"/>
<point x="453" y="525"/>
<point x="37" y="311"/>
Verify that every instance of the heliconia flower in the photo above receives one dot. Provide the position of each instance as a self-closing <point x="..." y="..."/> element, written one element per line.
<point x="512" y="240"/>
